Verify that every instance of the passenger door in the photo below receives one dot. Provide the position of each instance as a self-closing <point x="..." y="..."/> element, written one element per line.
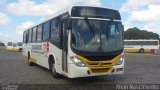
<point x="64" y="45"/>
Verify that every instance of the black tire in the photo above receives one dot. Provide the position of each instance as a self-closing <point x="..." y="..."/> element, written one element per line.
<point x="20" y="50"/>
<point x="141" y="50"/>
<point x="53" y="70"/>
<point x="29" y="62"/>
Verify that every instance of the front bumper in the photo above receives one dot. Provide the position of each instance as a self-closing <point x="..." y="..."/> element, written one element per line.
<point x="75" y="72"/>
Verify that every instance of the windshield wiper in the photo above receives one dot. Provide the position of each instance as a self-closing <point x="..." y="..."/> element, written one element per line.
<point x="89" y="25"/>
<point x="91" y="29"/>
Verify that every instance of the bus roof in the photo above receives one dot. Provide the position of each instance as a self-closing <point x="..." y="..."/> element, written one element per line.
<point x="69" y="9"/>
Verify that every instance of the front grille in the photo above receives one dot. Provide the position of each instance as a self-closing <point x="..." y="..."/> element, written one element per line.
<point x="100" y="70"/>
<point x="107" y="63"/>
<point x="97" y="63"/>
<point x="93" y="63"/>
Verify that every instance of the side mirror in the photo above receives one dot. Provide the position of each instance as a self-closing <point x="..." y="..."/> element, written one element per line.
<point x="68" y="24"/>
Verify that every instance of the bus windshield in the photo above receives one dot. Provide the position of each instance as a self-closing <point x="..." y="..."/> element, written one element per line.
<point x="96" y="35"/>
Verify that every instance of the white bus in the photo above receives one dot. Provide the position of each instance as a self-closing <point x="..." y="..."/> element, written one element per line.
<point x="20" y="46"/>
<point x="140" y="45"/>
<point x="12" y="46"/>
<point x="80" y="42"/>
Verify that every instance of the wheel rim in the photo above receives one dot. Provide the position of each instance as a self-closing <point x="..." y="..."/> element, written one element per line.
<point x="53" y="69"/>
<point x="142" y="51"/>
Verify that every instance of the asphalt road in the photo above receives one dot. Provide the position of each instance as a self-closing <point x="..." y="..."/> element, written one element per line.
<point x="139" y="69"/>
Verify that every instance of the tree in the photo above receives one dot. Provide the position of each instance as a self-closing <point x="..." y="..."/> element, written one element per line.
<point x="135" y="33"/>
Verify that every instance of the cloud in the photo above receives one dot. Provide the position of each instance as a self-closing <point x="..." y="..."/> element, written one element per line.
<point x="152" y="26"/>
<point x="21" y="28"/>
<point x="4" y="18"/>
<point x="145" y="12"/>
<point x="150" y="15"/>
<point x="18" y="35"/>
<point x="30" y="7"/>
<point x="10" y="38"/>
<point x="131" y="5"/>
<point x="4" y="38"/>
<point x="2" y="2"/>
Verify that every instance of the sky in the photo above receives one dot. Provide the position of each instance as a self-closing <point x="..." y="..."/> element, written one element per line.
<point x="16" y="15"/>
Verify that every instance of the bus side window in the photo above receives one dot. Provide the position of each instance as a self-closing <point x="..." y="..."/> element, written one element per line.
<point x="25" y="36"/>
<point x="30" y="35"/>
<point x="34" y="38"/>
<point x="26" y="39"/>
<point x="39" y="33"/>
<point x="14" y="45"/>
<point x="9" y="43"/>
<point x="55" y="33"/>
<point x="46" y="30"/>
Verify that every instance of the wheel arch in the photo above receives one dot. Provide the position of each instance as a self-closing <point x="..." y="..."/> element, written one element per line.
<point x="29" y="54"/>
<point x="141" y="49"/>
<point x="51" y="59"/>
<point x="20" y="49"/>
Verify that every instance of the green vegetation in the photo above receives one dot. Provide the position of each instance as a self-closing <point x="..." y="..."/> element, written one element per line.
<point x="2" y="44"/>
<point x="135" y="33"/>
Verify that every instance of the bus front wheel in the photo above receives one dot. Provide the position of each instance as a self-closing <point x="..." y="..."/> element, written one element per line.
<point x="53" y="70"/>
<point x="29" y="61"/>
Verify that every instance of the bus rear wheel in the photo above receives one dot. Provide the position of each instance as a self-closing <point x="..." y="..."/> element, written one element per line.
<point x="53" y="71"/>
<point x="20" y="50"/>
<point x="29" y="61"/>
<point x="141" y="50"/>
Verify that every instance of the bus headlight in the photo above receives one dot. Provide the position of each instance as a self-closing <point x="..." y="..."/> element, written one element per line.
<point x="77" y="62"/>
<point x="120" y="61"/>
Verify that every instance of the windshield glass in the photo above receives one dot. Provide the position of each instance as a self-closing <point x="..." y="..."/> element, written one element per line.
<point x="96" y="35"/>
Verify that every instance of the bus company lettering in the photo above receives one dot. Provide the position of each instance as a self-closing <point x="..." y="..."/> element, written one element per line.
<point x="36" y="47"/>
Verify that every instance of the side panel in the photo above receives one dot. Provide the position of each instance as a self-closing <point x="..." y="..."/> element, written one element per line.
<point x="40" y="53"/>
<point x="47" y="40"/>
